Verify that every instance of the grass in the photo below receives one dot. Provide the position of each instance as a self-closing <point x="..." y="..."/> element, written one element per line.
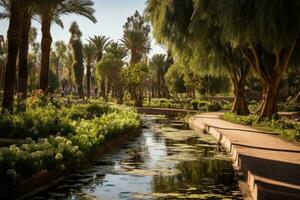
<point x="287" y="129"/>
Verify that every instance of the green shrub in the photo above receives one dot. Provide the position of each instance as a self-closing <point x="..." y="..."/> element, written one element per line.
<point x="87" y="111"/>
<point x="35" y="123"/>
<point x="286" y="128"/>
<point x="289" y="107"/>
<point x="194" y="104"/>
<point x="65" y="152"/>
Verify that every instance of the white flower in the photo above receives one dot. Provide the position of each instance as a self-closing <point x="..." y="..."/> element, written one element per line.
<point x="69" y="143"/>
<point x="59" y="139"/>
<point x="61" y="148"/>
<point x="58" y="156"/>
<point x="75" y="148"/>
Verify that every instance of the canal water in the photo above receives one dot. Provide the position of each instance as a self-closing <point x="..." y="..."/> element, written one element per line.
<point x="167" y="161"/>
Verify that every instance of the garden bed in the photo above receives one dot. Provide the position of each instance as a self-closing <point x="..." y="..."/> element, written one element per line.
<point x="44" y="180"/>
<point x="59" y="139"/>
<point x="286" y="128"/>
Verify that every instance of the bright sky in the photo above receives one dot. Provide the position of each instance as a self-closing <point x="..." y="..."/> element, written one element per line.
<point x="111" y="16"/>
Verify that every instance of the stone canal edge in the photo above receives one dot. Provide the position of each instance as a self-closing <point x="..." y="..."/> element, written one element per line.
<point x="267" y="166"/>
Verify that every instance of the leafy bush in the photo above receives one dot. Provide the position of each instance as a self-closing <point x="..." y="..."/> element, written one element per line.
<point x="64" y="152"/>
<point x="194" y="104"/>
<point x="289" y="107"/>
<point x="88" y="111"/>
<point x="286" y="128"/>
<point x="35" y="123"/>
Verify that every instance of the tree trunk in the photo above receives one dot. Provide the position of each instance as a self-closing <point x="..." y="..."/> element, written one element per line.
<point x="102" y="86"/>
<point x="139" y="99"/>
<point x="240" y="106"/>
<point x="46" y="48"/>
<point x="13" y="36"/>
<point x="88" y="79"/>
<point x="271" y="78"/>
<point x="80" y="91"/>
<point x="158" y="86"/>
<point x="270" y="96"/>
<point x="23" y="56"/>
<point x="70" y="80"/>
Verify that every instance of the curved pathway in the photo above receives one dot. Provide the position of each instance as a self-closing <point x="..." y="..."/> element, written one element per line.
<point x="269" y="164"/>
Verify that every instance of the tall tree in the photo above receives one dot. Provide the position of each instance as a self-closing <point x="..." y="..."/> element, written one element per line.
<point x="3" y="52"/>
<point x="76" y="44"/>
<point x="89" y="53"/>
<point x="198" y="42"/>
<point x="109" y="69"/>
<point x="266" y="33"/>
<point x="100" y="43"/>
<point x="60" y="51"/>
<point x="158" y="65"/>
<point x="136" y="37"/>
<point x="135" y="76"/>
<point x="49" y="12"/>
<point x="16" y="10"/>
<point x="27" y="14"/>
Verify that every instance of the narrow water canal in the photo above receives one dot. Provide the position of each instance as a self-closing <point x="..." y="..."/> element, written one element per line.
<point x="166" y="161"/>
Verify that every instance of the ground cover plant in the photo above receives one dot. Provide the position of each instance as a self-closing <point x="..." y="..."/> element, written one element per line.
<point x="287" y="129"/>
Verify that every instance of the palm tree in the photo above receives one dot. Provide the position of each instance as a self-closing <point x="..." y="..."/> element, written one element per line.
<point x="49" y="12"/>
<point x="15" y="10"/>
<point x="158" y="65"/>
<point x="100" y="43"/>
<point x="136" y="42"/>
<point x="119" y="53"/>
<point x="27" y="14"/>
<point x="89" y="52"/>
<point x="136" y="37"/>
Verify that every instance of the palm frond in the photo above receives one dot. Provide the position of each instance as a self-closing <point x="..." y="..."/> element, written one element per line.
<point x="58" y="21"/>
<point x="79" y="7"/>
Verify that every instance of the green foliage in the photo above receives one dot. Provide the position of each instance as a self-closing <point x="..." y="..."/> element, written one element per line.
<point x="209" y="106"/>
<point x="100" y="43"/>
<point x="53" y="82"/>
<point x="136" y="37"/>
<point x="65" y="151"/>
<point x="135" y="76"/>
<point x="77" y="47"/>
<point x="109" y="64"/>
<point x="175" y="79"/>
<point x="287" y="129"/>
<point x="89" y="111"/>
<point x="289" y="107"/>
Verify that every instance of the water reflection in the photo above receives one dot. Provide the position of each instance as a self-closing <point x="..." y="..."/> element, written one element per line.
<point x="167" y="161"/>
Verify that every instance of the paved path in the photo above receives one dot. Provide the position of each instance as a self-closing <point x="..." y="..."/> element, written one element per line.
<point x="270" y="164"/>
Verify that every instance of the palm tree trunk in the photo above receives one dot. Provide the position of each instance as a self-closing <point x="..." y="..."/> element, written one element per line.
<point x="13" y="36"/>
<point x="23" y="55"/>
<point x="46" y="48"/>
<point x="88" y="78"/>
<point x="70" y="79"/>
